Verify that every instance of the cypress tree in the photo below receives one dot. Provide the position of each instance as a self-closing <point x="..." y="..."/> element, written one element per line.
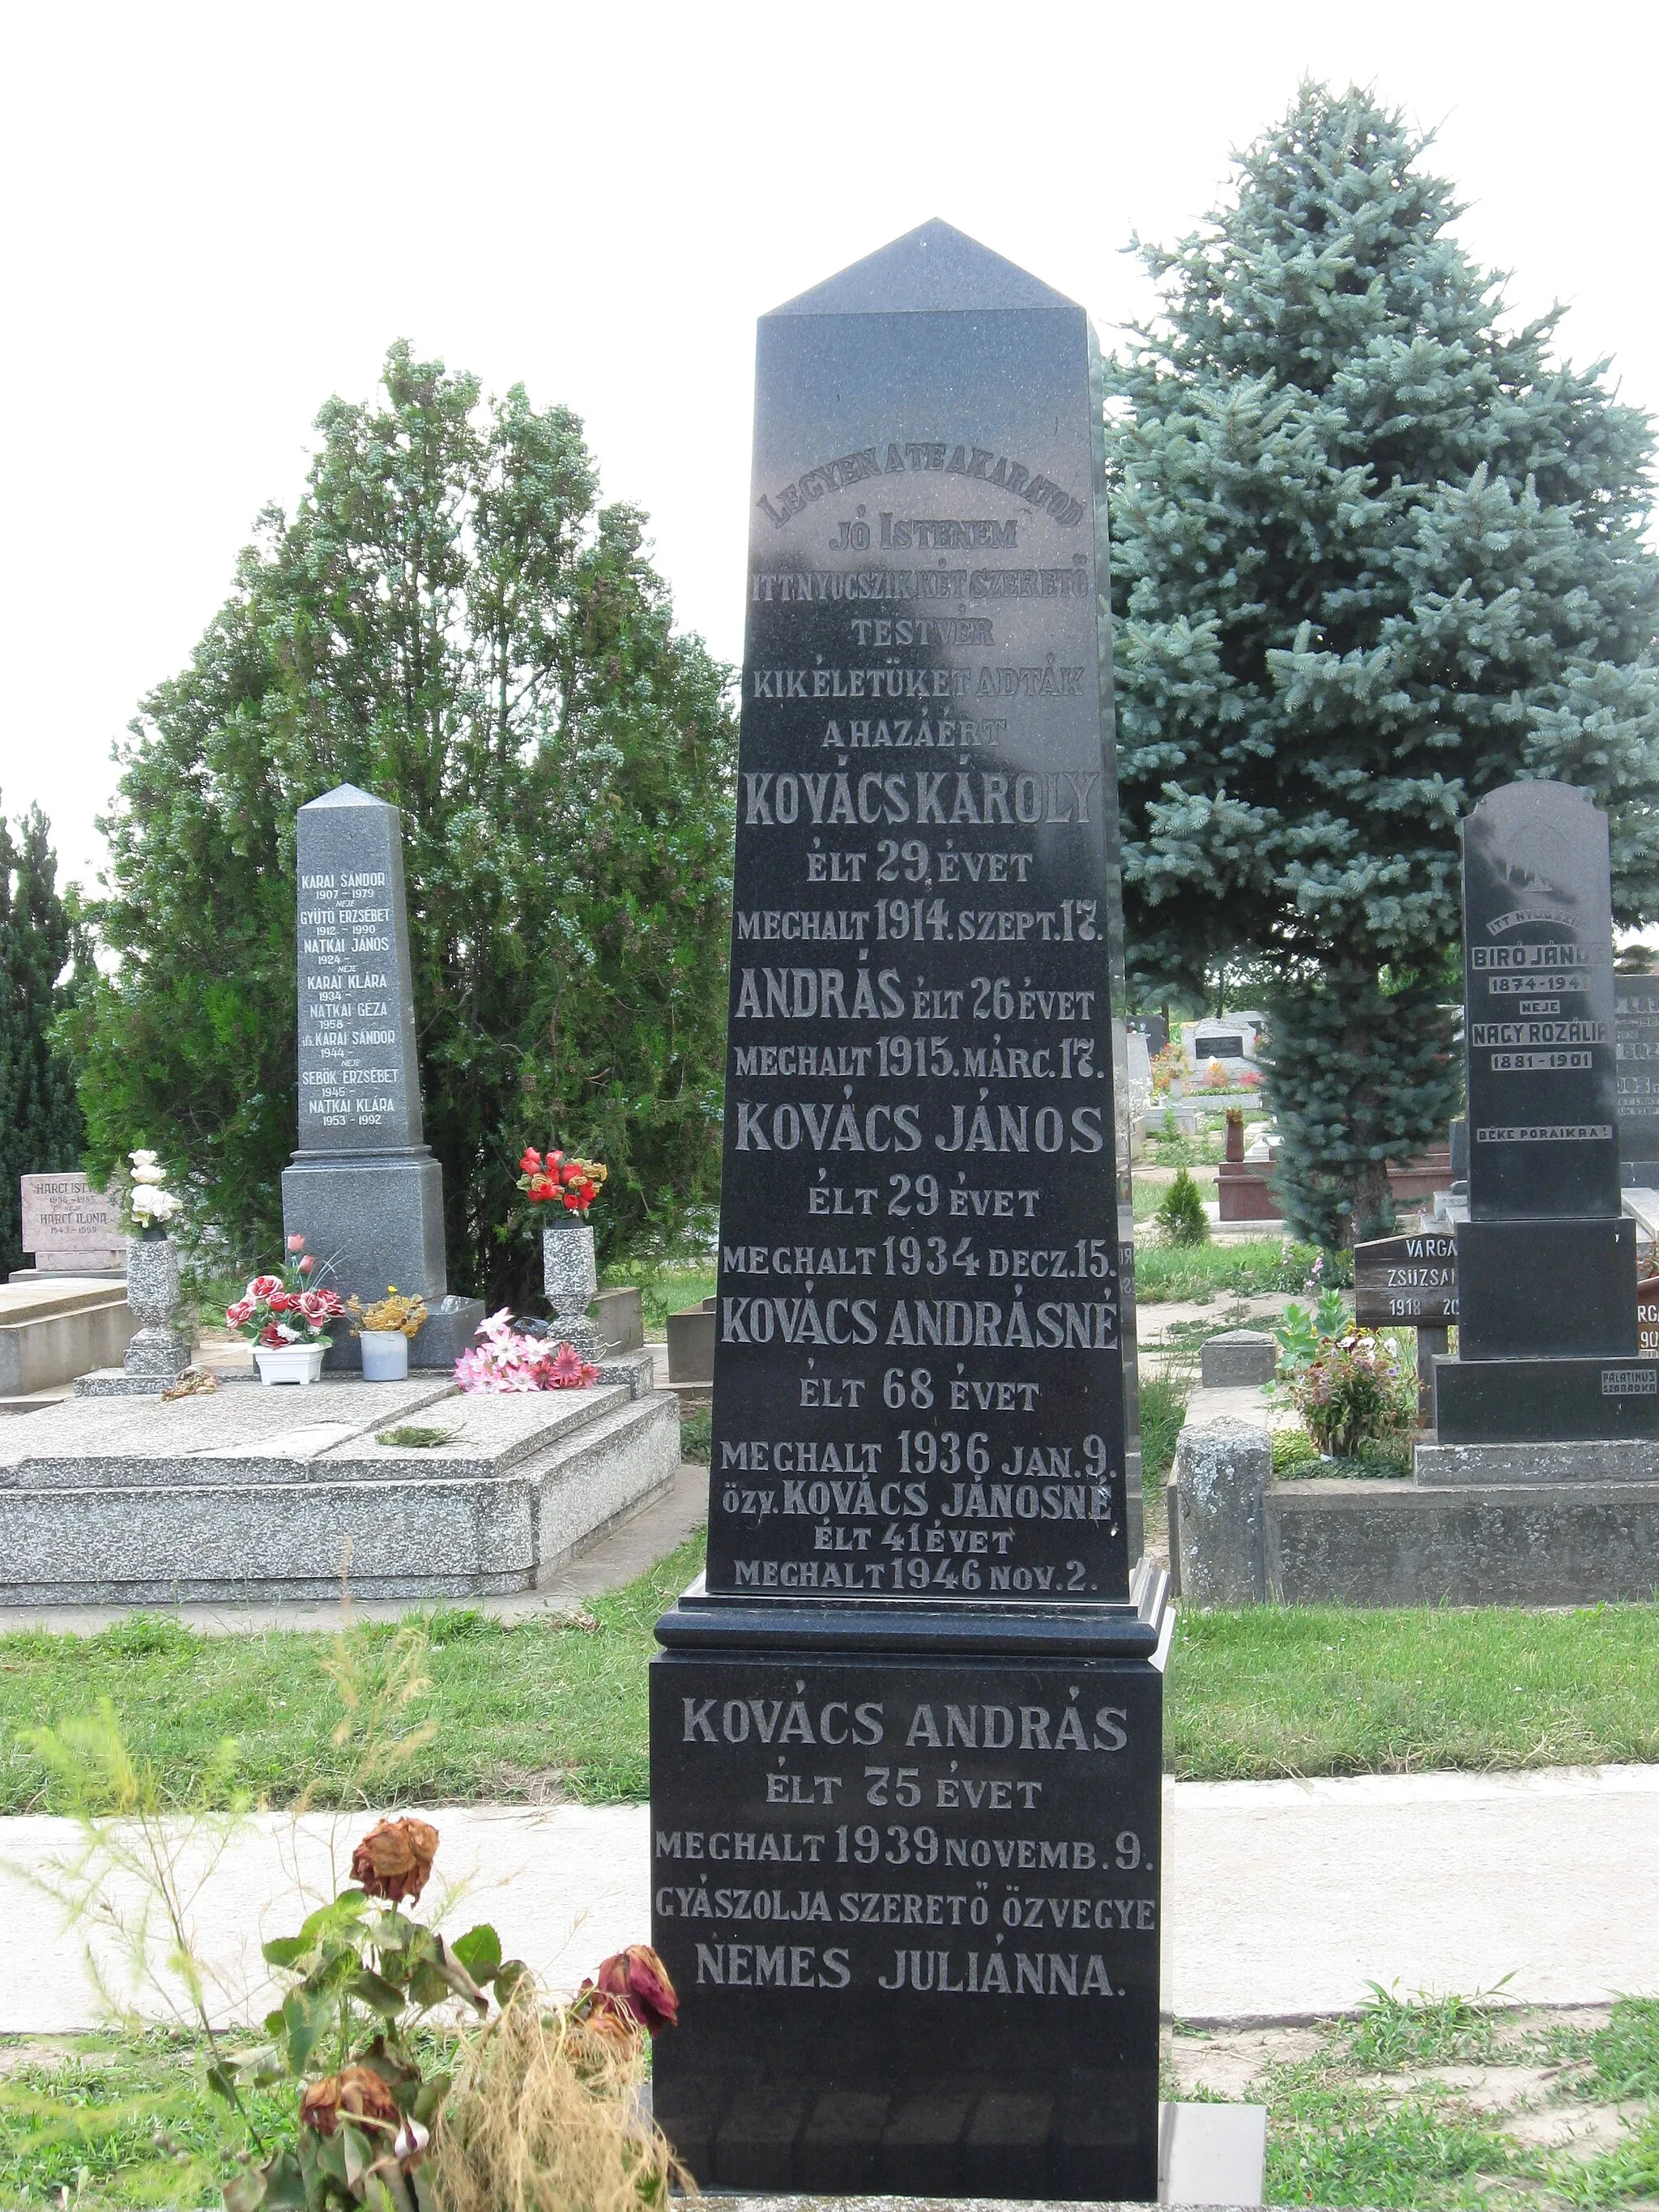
<point x="40" y="1125"/>
<point x="1375" y="552"/>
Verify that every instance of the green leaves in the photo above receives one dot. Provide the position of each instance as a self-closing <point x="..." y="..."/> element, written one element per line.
<point x="1373" y="554"/>
<point x="478" y="1952"/>
<point x="41" y="1124"/>
<point x="452" y="621"/>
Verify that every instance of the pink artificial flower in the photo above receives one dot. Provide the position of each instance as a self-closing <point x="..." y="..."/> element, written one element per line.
<point x="314" y="1304"/>
<point x="569" y="1371"/>
<point x="306" y="1264"/>
<point x="296" y="1244"/>
<point x="263" y="1285"/>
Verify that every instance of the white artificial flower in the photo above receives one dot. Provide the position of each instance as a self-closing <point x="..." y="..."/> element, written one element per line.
<point x="141" y="1159"/>
<point x="150" y="1175"/>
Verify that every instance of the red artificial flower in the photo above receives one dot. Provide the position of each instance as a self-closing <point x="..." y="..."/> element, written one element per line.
<point x="542" y="1187"/>
<point x="272" y="1336"/>
<point x="241" y="1312"/>
<point x="531" y="1163"/>
<point x="263" y="1285"/>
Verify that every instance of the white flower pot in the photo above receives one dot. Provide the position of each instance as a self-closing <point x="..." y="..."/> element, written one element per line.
<point x="292" y="1362"/>
<point x="385" y="1355"/>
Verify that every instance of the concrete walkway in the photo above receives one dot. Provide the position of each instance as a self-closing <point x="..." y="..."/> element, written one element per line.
<point x="1283" y="1899"/>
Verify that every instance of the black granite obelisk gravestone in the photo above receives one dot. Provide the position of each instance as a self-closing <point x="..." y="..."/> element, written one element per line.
<point x="363" y="1189"/>
<point x="1546" y="1265"/>
<point x="906" y="1741"/>
<point x="1636" y="1020"/>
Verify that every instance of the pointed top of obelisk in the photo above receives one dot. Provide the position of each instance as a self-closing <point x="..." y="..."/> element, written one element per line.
<point x="931" y="270"/>
<point x="344" y="795"/>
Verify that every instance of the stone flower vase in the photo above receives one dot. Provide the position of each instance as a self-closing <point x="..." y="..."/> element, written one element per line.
<point x="571" y="1281"/>
<point x="156" y="1353"/>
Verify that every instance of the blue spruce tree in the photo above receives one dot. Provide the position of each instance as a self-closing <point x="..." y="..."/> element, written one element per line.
<point x="1374" y="553"/>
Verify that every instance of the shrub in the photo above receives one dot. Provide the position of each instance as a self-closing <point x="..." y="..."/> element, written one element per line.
<point x="1182" y="1216"/>
<point x="1354" y="1393"/>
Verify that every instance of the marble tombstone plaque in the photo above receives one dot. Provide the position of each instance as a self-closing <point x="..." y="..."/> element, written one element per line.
<point x="69" y="1228"/>
<point x="905" y="1740"/>
<point x="1547" y="1268"/>
<point x="363" y="1188"/>
<point x="1636" y="1028"/>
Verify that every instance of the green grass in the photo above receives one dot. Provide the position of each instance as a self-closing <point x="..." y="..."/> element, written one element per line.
<point x="117" y="2118"/>
<point x="697" y="1433"/>
<point x="1247" y="1267"/>
<point x="519" y="1710"/>
<point x="515" y="1708"/>
<point x="1322" y="1690"/>
<point x="664" y="1290"/>
<point x="124" y="2119"/>
<point x="1162" y="1410"/>
<point x="1622" y="2059"/>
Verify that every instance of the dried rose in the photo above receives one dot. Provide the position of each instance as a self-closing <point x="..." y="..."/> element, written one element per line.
<point x="354" y="2094"/>
<point x="394" y="1859"/>
<point x="637" y="1980"/>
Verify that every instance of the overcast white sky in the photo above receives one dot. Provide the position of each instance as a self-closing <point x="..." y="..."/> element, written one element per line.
<point x="214" y="216"/>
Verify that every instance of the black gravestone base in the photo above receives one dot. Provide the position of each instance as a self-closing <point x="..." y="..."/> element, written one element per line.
<point x="1559" y="1289"/>
<point x="909" y="1899"/>
<point x="1545" y="1400"/>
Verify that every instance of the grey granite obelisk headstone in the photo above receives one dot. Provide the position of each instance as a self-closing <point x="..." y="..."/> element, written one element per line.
<point x="364" y="1190"/>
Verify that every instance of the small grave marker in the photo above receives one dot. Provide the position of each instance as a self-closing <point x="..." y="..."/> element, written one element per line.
<point x="69" y="1228"/>
<point x="1405" y="1282"/>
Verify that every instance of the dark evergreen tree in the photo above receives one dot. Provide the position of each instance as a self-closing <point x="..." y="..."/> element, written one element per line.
<point x="43" y="957"/>
<point x="1375" y="553"/>
<point x="453" y="622"/>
